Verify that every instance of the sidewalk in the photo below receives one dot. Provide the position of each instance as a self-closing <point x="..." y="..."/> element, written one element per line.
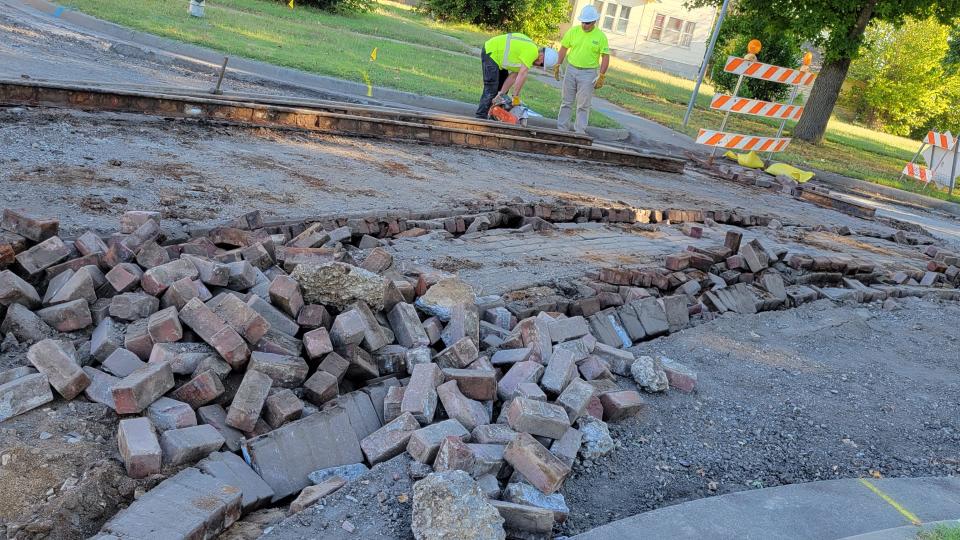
<point x="831" y="509"/>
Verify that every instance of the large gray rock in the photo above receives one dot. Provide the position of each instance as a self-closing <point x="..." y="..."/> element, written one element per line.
<point x="339" y="285"/>
<point x="451" y="506"/>
<point x="443" y="295"/>
<point x="597" y="441"/>
<point x="649" y="374"/>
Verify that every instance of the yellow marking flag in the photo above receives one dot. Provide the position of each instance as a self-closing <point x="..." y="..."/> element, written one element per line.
<point x="373" y="53"/>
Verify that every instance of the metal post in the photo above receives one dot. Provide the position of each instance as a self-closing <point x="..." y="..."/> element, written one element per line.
<point x="223" y="70"/>
<point x="726" y="117"/>
<point x="914" y="160"/>
<point x="706" y="62"/>
<point x="953" y="169"/>
<point x="783" y="123"/>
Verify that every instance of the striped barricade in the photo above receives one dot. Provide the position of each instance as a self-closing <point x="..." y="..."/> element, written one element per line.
<point x="734" y="141"/>
<point x="945" y="141"/>
<point x="756" y="107"/>
<point x="766" y="72"/>
<point x="918" y="172"/>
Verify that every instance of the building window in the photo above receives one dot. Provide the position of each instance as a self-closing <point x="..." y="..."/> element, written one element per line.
<point x="613" y="16"/>
<point x="671" y="30"/>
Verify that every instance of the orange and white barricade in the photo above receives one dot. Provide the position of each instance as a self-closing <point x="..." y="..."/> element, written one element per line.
<point x="948" y="144"/>
<point x="750" y="67"/>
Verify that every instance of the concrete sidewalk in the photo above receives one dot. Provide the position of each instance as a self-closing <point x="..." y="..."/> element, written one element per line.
<point x="831" y="509"/>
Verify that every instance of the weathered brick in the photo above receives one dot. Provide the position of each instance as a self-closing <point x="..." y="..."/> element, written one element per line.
<point x="14" y="290"/>
<point x="166" y="413"/>
<point x="407" y="327"/>
<point x="122" y="362"/>
<point x="25" y="325"/>
<point x="285" y="294"/>
<point x="34" y="229"/>
<point x="151" y="255"/>
<point x="210" y="272"/>
<point x="348" y="328"/>
<point x="89" y="243"/>
<point x="392" y="403"/>
<point x="189" y="444"/>
<point x="424" y="442"/>
<point x="139" y="447"/>
<point x="282" y="407"/>
<point x="184" y="358"/>
<point x="362" y="365"/>
<point x="493" y="434"/>
<point x="241" y="317"/>
<point x="23" y="394"/>
<point x="537" y="465"/>
<point x="377" y="261"/>
<point x="68" y="316"/>
<point x="100" y="389"/>
<point x="390" y="440"/>
<point x="521" y="372"/>
<point x="243" y="275"/>
<point x="459" y="355"/>
<point x="135" y="392"/>
<point x="286" y="371"/>
<point x="537" y="418"/>
<point x="680" y="376"/>
<point x="317" y="343"/>
<point x="248" y="402"/>
<point x="575" y="398"/>
<point x="203" y="388"/>
<point x="279" y="321"/>
<point x="164" y="326"/>
<point x="464" y="323"/>
<point x="179" y="293"/>
<point x="622" y="404"/>
<point x="567" y="329"/>
<point x="535" y="333"/>
<point x="559" y="371"/>
<point x="258" y="255"/>
<point x="468" y="412"/>
<point x="79" y="286"/>
<point x="313" y="236"/>
<point x="475" y="384"/>
<point x="314" y="316"/>
<point x="124" y="277"/>
<point x="530" y="390"/>
<point x="335" y="365"/>
<point x="510" y="356"/>
<point x="133" y="305"/>
<point x="211" y="328"/>
<point x="132" y="220"/>
<point x="215" y="415"/>
<point x="137" y="339"/>
<point x="156" y="280"/>
<point x="594" y="368"/>
<point x="568" y="446"/>
<point x="420" y="395"/>
<point x="58" y="361"/>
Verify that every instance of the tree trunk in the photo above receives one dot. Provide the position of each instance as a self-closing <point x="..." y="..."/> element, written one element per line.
<point x="823" y="98"/>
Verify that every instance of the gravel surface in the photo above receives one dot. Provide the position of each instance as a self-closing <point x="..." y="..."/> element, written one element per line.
<point x="816" y="393"/>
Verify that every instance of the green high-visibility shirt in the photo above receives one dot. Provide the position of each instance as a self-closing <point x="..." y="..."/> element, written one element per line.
<point x="585" y="48"/>
<point x="511" y="51"/>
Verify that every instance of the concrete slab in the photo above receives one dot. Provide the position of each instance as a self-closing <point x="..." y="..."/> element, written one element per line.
<point x="814" y="511"/>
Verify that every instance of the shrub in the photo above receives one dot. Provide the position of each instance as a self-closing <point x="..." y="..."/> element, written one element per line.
<point x="539" y="19"/>
<point x="340" y="6"/>
<point x="779" y="48"/>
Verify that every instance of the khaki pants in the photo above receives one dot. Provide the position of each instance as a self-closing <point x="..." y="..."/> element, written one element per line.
<point x="577" y="86"/>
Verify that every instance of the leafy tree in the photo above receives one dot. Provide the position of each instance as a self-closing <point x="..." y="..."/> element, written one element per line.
<point x="779" y="48"/>
<point x="952" y="60"/>
<point x="837" y="26"/>
<point x="901" y="77"/>
<point x="539" y="19"/>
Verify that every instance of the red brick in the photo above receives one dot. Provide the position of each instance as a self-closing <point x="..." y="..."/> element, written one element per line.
<point x="286" y="371"/>
<point x="407" y="327"/>
<point x="317" y="343"/>
<point x="203" y="388"/>
<point x="124" y="277"/>
<point x="43" y="255"/>
<point x="67" y="317"/>
<point x="390" y="440"/>
<point x="215" y="331"/>
<point x="139" y="447"/>
<point x="14" y="290"/>
<point x="156" y="280"/>
<point x="164" y="326"/>
<point x="424" y="442"/>
<point x="320" y="388"/>
<point x="282" y="407"/>
<point x="595" y="367"/>
<point x="132" y="220"/>
<point x="90" y="244"/>
<point x="34" y="229"/>
<point x="620" y="405"/>
<point x="314" y="316"/>
<point x="285" y="294"/>
<point x="132" y="306"/>
<point x="137" y="391"/>
<point x="576" y="398"/>
<point x="537" y="418"/>
<point x="179" y="293"/>
<point x="420" y="395"/>
<point x="392" y="402"/>
<point x="459" y="355"/>
<point x="521" y="372"/>
<point x="537" y="465"/>
<point x="210" y="272"/>
<point x="535" y="332"/>
<point x="335" y="365"/>
<point x="377" y="260"/>
<point x="241" y="317"/>
<point x="137" y="339"/>
<point x="468" y="412"/>
<point x="474" y="383"/>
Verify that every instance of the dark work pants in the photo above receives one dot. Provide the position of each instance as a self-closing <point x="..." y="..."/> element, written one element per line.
<point x="493" y="79"/>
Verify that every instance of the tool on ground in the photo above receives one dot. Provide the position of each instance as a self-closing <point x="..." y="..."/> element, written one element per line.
<point x="509" y="110"/>
<point x="223" y="70"/>
<point x="749" y="66"/>
<point x="925" y="175"/>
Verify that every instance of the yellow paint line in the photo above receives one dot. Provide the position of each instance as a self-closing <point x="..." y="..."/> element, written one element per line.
<point x="911" y="517"/>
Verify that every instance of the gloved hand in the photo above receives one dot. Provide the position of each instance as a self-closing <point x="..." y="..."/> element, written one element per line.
<point x="516" y="100"/>
<point x="598" y="82"/>
<point x="556" y="72"/>
<point x="498" y="100"/>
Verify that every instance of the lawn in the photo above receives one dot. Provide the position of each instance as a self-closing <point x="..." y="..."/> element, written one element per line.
<point x="420" y="55"/>
<point x="941" y="532"/>
<point x="414" y="54"/>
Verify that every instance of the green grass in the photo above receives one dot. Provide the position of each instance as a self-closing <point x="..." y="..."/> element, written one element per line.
<point x="850" y="150"/>
<point x="941" y="532"/>
<point x="414" y="55"/>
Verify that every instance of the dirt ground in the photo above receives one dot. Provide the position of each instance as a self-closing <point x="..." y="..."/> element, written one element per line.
<point x="819" y="392"/>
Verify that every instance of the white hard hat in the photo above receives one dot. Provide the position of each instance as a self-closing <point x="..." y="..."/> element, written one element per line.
<point x="550" y="57"/>
<point x="589" y="14"/>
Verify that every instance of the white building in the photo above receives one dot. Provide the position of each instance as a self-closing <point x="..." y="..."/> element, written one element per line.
<point x="660" y="34"/>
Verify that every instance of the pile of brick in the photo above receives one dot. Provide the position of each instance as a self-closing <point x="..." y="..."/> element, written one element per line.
<point x="311" y="366"/>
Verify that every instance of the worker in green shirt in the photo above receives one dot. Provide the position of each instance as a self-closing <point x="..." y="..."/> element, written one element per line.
<point x="585" y="48"/>
<point x="506" y="59"/>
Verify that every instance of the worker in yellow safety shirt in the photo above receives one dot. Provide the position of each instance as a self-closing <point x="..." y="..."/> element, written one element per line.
<point x="506" y="60"/>
<point x="585" y="49"/>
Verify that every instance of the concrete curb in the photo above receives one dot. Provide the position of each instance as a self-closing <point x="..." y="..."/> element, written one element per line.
<point x="908" y="532"/>
<point x="889" y="194"/>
